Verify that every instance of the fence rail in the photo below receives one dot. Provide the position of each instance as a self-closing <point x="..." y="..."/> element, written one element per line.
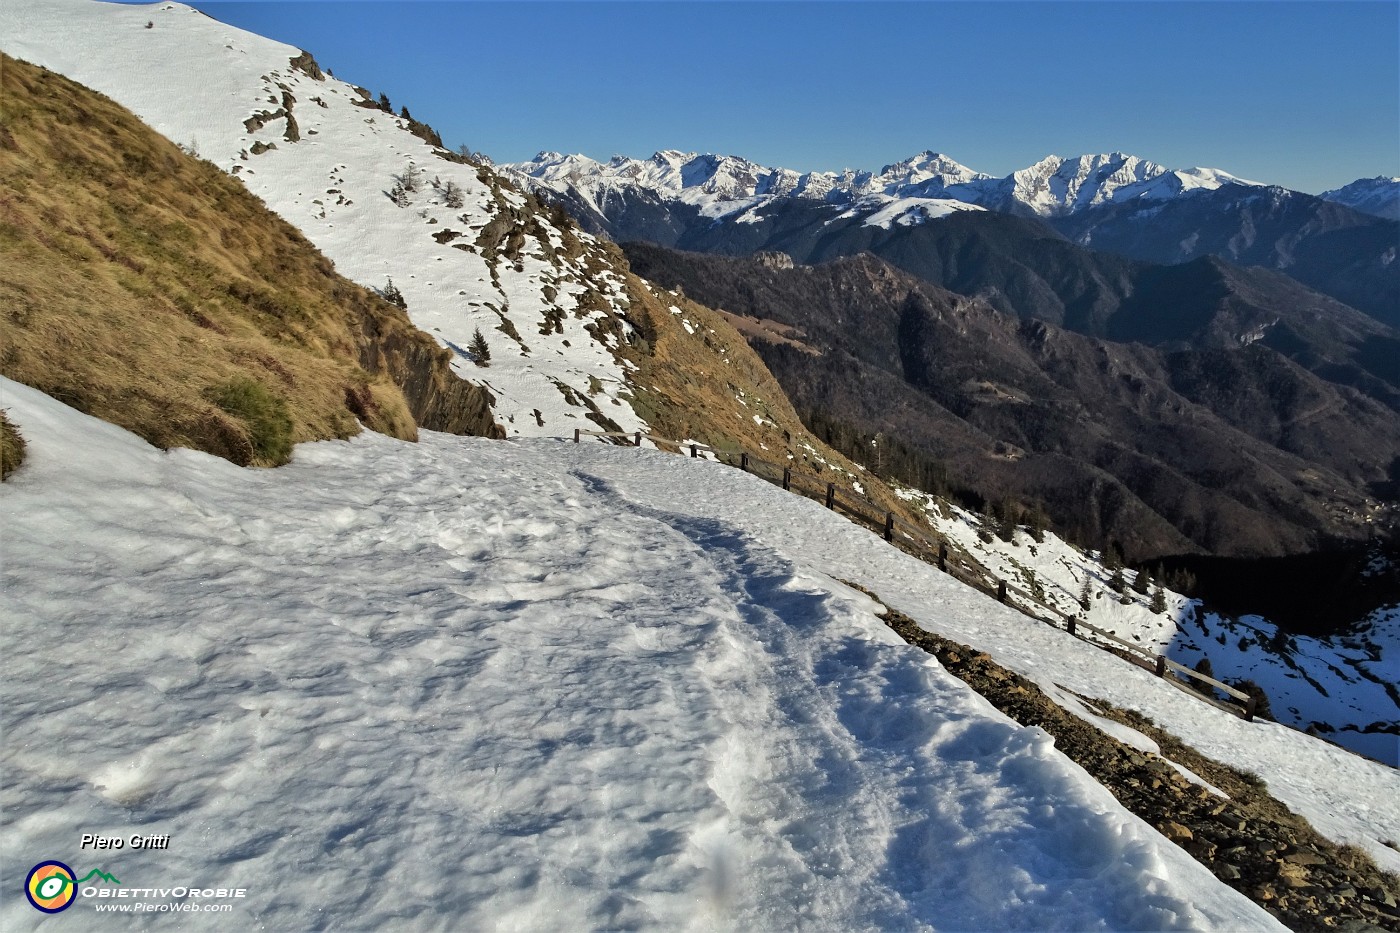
<point x="933" y="548"/>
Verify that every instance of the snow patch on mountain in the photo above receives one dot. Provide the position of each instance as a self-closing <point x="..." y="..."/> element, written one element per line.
<point x="1342" y="687"/>
<point x="885" y="212"/>
<point x="1057" y="185"/>
<point x="550" y="315"/>
<point x="723" y="186"/>
<point x="1379" y="196"/>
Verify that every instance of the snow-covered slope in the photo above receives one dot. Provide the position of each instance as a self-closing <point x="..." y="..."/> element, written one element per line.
<point x="721" y="185"/>
<point x="550" y="305"/>
<point x="1379" y="196"/>
<point x="1342" y="687"/>
<point x="727" y="185"/>
<point x="1063" y="186"/>
<point x="470" y="684"/>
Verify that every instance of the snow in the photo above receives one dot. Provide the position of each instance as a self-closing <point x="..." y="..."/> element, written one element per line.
<point x="736" y="188"/>
<point x="1342" y="686"/>
<point x="529" y="684"/>
<point x="193" y="78"/>
<point x="483" y="684"/>
<point x="1379" y="196"/>
<point x="906" y="212"/>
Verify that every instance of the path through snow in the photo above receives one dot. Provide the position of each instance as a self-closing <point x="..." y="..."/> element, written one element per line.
<point x="482" y="685"/>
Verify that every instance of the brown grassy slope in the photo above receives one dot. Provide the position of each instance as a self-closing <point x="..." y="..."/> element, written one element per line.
<point x="148" y="288"/>
<point x="686" y="387"/>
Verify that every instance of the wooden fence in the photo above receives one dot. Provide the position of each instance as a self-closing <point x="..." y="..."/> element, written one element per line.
<point x="930" y="547"/>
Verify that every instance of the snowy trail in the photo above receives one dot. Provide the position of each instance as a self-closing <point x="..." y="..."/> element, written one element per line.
<point x="1347" y="798"/>
<point x="466" y="685"/>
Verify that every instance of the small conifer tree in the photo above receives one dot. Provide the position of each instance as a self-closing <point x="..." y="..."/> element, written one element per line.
<point x="1086" y="597"/>
<point x="479" y="349"/>
<point x="392" y="295"/>
<point x="1159" y="600"/>
<point x="452" y="195"/>
<point x="1203" y="666"/>
<point x="1141" y="581"/>
<point x="384" y="104"/>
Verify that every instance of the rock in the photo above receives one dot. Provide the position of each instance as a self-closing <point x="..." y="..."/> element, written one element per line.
<point x="1293" y="876"/>
<point x="1227" y="872"/>
<point x="1176" y="832"/>
<point x="1202" y="850"/>
<point x="1305" y="857"/>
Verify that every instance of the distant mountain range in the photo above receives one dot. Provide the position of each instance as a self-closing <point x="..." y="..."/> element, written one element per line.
<point x="721" y="185"/>
<point x="1113" y="203"/>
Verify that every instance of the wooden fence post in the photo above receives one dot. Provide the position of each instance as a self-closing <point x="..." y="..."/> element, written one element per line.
<point x="831" y="495"/>
<point x="744" y="462"/>
<point x="639" y="438"/>
<point x="576" y="434"/>
<point x="1161" y="666"/>
<point x="1249" y="708"/>
<point x="1001" y="591"/>
<point x="1072" y="620"/>
<point x="694" y="451"/>
<point x="889" y="526"/>
<point x="787" y="477"/>
<point x="943" y="556"/>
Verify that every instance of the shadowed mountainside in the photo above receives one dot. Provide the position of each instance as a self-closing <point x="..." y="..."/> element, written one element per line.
<point x="1227" y="451"/>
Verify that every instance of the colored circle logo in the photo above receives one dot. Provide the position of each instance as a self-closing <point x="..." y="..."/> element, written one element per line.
<point x="51" y="887"/>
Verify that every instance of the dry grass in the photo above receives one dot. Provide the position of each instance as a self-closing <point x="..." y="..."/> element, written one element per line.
<point x="11" y="448"/>
<point x="136" y="281"/>
<point x="687" y="386"/>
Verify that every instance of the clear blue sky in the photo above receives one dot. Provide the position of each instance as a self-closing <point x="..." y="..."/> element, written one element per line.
<point x="1303" y="94"/>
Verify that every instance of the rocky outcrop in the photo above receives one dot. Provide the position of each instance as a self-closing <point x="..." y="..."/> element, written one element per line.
<point x="438" y="399"/>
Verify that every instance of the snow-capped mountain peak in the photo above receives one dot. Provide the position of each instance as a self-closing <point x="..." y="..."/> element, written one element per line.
<point x="721" y="185"/>
<point x="1057" y="185"/>
<point x="1379" y="196"/>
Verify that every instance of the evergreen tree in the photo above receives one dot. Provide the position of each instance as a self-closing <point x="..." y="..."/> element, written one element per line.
<point x="1261" y="699"/>
<point x="384" y="103"/>
<point x="1159" y="600"/>
<point x="392" y="295"/>
<point x="1112" y="557"/>
<point x="479" y="350"/>
<point x="1006" y="520"/>
<point x="1203" y="666"/>
<point x="1116" y="582"/>
<point x="452" y="195"/>
<point x="403" y="112"/>
<point x="1086" y="597"/>
<point x="1038" y="522"/>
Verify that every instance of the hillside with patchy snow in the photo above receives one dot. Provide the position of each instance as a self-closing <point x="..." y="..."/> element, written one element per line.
<point x="572" y="337"/>
<point x="1341" y="687"/>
